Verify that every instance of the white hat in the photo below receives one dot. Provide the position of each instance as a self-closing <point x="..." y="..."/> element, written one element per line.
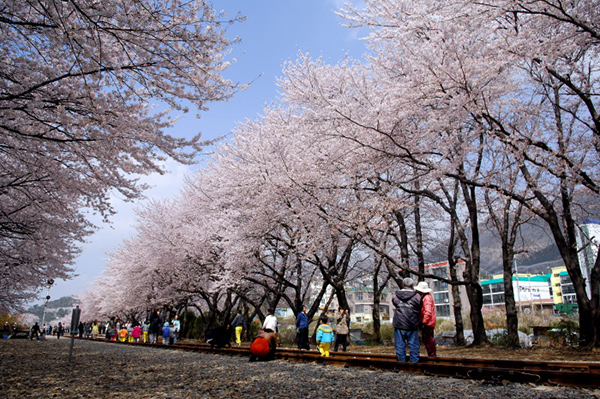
<point x="422" y="287"/>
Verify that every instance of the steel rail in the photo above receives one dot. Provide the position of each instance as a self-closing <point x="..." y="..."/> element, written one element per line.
<point x="493" y="371"/>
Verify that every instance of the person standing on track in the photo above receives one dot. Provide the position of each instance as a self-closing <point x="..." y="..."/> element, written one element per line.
<point x="35" y="332"/>
<point x="239" y="325"/>
<point x="145" y="329"/>
<point x="324" y="336"/>
<point x="95" y="329"/>
<point x="166" y="333"/>
<point x="302" y="330"/>
<point x="156" y="325"/>
<point x="406" y="321"/>
<point x="427" y="317"/>
<point x="59" y="330"/>
<point x="137" y="331"/>
<point x="342" y="329"/>
<point x="176" y="326"/>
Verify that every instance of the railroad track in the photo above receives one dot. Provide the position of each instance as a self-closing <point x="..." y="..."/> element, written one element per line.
<point x="493" y="371"/>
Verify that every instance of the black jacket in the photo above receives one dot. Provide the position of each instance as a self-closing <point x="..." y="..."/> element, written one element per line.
<point x="156" y="325"/>
<point x="239" y="321"/>
<point x="408" y="306"/>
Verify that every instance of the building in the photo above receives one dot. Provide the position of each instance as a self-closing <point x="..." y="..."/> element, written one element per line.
<point x="530" y="291"/>
<point x="361" y="298"/>
<point x="588" y="240"/>
<point x="568" y="299"/>
<point x="442" y="291"/>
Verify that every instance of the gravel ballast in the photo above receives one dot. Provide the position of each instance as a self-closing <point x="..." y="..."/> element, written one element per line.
<point x="40" y="369"/>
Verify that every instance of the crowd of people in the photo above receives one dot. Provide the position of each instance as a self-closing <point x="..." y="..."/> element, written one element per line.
<point x="414" y="310"/>
<point x="131" y="331"/>
<point x="36" y="331"/>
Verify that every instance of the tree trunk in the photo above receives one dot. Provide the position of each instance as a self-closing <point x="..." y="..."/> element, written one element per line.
<point x="474" y="292"/>
<point x="501" y="219"/>
<point x="563" y="231"/>
<point x="377" y="290"/>
<point x="419" y="232"/>
<point x="595" y="300"/>
<point x="324" y="312"/>
<point x="376" y="321"/>
<point x="457" y="304"/>
<point x="403" y="245"/>
<point x="512" y="319"/>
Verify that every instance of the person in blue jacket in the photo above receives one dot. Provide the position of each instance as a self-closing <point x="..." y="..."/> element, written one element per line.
<point x="166" y="334"/>
<point x="324" y="336"/>
<point x="302" y="330"/>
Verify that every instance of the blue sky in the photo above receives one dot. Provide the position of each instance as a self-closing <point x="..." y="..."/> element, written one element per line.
<point x="274" y="32"/>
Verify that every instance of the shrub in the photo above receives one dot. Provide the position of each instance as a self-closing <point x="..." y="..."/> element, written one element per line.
<point x="188" y="319"/>
<point x="287" y="336"/>
<point x="564" y="333"/>
<point x="199" y="327"/>
<point x="501" y="338"/>
<point x="253" y="328"/>
<point x="443" y="325"/>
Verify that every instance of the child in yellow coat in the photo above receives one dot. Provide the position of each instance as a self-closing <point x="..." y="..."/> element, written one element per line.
<point x="324" y="336"/>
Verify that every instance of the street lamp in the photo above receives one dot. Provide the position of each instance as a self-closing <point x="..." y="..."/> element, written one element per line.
<point x="49" y="284"/>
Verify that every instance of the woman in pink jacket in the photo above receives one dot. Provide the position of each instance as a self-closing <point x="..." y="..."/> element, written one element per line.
<point x="427" y="317"/>
<point x="137" y="331"/>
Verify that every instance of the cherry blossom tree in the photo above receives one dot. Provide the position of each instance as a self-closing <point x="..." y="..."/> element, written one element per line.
<point x="79" y="83"/>
<point x="520" y="73"/>
<point x="449" y="90"/>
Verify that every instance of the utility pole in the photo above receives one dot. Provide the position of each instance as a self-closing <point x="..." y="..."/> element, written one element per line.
<point x="49" y="284"/>
<point x="518" y="288"/>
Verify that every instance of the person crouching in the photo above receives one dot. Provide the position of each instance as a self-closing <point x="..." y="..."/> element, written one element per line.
<point x="264" y="345"/>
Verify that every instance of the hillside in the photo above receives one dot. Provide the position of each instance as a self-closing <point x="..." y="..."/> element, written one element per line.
<point x="55" y="309"/>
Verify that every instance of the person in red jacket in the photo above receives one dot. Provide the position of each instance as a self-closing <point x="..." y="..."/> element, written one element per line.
<point x="427" y="317"/>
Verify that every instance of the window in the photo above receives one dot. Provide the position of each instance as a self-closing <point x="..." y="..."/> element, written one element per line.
<point x="497" y="287"/>
<point x="442" y="310"/>
<point x="359" y="296"/>
<point x="568" y="289"/>
<point x="440" y="272"/>
<point x="569" y="299"/>
<point x="360" y="309"/>
<point x="441" y="297"/>
<point x="486" y="289"/>
<point x="440" y="285"/>
<point x="498" y="299"/>
<point x="487" y="299"/>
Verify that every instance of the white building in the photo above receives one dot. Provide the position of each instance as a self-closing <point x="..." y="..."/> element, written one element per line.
<point x="530" y="291"/>
<point x="588" y="240"/>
